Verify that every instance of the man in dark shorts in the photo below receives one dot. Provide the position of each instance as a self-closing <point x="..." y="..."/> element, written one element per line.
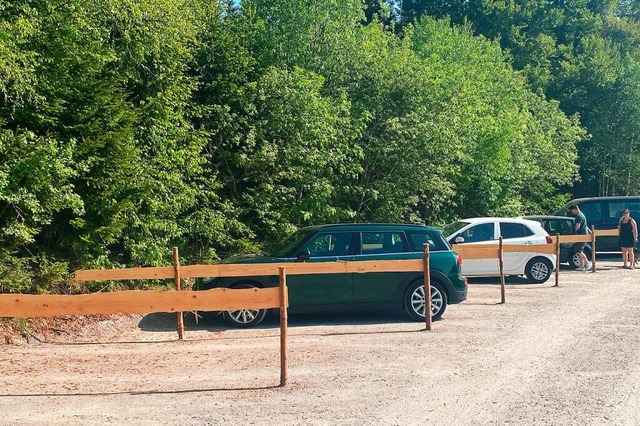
<point x="580" y="229"/>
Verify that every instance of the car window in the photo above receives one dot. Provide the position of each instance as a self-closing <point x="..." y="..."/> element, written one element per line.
<point x="478" y="233"/>
<point x="382" y="242"/>
<point x="615" y="210"/>
<point x="434" y="239"/>
<point x="514" y="230"/>
<point x="559" y="226"/>
<point x="330" y="244"/>
<point x="592" y="211"/>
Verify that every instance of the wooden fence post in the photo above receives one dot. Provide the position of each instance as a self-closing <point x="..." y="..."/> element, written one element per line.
<point x="284" y="303"/>
<point x="558" y="260"/>
<point x="593" y="249"/>
<point x="427" y="287"/>
<point x="176" y="275"/>
<point x="501" y="263"/>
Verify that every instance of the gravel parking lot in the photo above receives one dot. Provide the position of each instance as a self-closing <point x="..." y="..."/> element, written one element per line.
<point x="567" y="355"/>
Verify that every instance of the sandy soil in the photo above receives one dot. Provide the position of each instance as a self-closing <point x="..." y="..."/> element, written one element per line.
<point x="567" y="355"/>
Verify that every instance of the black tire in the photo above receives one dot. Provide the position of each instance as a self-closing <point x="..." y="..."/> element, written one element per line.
<point x="414" y="300"/>
<point x="539" y="270"/>
<point x="244" y="318"/>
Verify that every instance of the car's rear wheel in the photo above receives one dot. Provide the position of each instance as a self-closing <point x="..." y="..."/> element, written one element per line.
<point x="415" y="300"/>
<point x="245" y="318"/>
<point x="539" y="270"/>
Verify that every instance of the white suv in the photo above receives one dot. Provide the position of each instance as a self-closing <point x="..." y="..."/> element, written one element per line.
<point x="538" y="267"/>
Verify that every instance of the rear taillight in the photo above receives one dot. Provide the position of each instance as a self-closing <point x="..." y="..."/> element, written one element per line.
<point x="549" y="239"/>
<point x="459" y="260"/>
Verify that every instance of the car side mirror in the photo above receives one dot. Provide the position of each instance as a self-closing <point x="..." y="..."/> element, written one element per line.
<point x="459" y="240"/>
<point x="303" y="256"/>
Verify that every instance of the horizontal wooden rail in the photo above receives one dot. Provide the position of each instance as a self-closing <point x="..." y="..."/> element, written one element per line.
<point x="250" y="270"/>
<point x="475" y="252"/>
<point x="606" y="232"/>
<point x="530" y="248"/>
<point x="575" y="238"/>
<point x="137" y="302"/>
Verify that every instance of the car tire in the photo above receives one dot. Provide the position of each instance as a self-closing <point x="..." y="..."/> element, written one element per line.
<point x="414" y="300"/>
<point x="244" y="318"/>
<point x="539" y="270"/>
<point x="575" y="259"/>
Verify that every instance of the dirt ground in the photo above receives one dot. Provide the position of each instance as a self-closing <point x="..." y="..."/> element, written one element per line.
<point x="567" y="355"/>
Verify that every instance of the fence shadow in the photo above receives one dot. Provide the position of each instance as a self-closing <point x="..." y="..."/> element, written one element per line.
<point x="167" y="321"/>
<point x="137" y="393"/>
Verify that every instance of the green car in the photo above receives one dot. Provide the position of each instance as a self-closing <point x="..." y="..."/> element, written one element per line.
<point x="356" y="292"/>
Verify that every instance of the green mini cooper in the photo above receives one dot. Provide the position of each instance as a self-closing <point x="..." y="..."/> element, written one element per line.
<point x="356" y="292"/>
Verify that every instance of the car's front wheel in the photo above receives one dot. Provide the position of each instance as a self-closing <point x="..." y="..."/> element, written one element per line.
<point x="415" y="300"/>
<point x="575" y="259"/>
<point x="244" y="318"/>
<point x="539" y="270"/>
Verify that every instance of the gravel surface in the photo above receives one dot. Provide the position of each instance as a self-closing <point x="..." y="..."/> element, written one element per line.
<point x="564" y="356"/>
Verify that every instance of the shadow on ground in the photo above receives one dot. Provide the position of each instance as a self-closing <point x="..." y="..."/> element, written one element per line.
<point x="159" y="322"/>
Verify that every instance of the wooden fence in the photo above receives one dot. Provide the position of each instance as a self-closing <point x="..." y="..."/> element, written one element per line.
<point x="496" y="251"/>
<point x="219" y="299"/>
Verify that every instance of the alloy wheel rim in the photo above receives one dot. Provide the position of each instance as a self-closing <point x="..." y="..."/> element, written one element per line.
<point x="539" y="271"/>
<point x="418" y="301"/>
<point x="244" y="316"/>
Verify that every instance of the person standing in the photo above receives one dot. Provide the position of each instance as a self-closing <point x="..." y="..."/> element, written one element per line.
<point x="580" y="229"/>
<point x="627" y="238"/>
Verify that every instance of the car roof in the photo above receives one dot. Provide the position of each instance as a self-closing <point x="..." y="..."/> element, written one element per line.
<point x="370" y="227"/>
<point x="549" y="217"/>
<point x="619" y="197"/>
<point x="500" y="219"/>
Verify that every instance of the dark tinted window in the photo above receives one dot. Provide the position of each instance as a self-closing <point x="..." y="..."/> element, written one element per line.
<point x="559" y="226"/>
<point x="593" y="212"/>
<point x="382" y="242"/>
<point x="514" y="230"/>
<point x="434" y="239"/>
<point x="616" y="208"/>
<point x="478" y="233"/>
<point x="330" y="244"/>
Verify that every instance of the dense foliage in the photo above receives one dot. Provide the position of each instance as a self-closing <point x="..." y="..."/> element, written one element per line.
<point x="127" y="127"/>
<point x="584" y="54"/>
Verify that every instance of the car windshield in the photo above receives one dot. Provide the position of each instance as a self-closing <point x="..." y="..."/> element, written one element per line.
<point x="294" y="240"/>
<point x="454" y="227"/>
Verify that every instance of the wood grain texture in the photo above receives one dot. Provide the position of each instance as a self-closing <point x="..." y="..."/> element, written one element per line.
<point x="137" y="302"/>
<point x="530" y="248"/>
<point x="471" y="252"/>
<point x="252" y="270"/>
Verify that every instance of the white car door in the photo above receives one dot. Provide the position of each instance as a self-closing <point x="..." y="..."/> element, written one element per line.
<point x="516" y="233"/>
<point x="479" y="233"/>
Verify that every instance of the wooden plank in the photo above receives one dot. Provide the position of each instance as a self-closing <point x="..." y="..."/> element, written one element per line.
<point x="137" y="302"/>
<point x="606" y="232"/>
<point x="557" y="246"/>
<point x="457" y="247"/>
<point x="427" y="287"/>
<point x="503" y="294"/>
<point x="575" y="238"/>
<point x="284" y="320"/>
<point x="260" y="269"/>
<point x="176" y="272"/>
<point x="530" y="248"/>
<point x="161" y="272"/>
<point x="479" y="253"/>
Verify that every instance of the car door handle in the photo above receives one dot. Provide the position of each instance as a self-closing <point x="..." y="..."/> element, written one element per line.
<point x="528" y="242"/>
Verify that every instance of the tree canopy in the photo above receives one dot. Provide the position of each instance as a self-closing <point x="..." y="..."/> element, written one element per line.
<point x="128" y="127"/>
